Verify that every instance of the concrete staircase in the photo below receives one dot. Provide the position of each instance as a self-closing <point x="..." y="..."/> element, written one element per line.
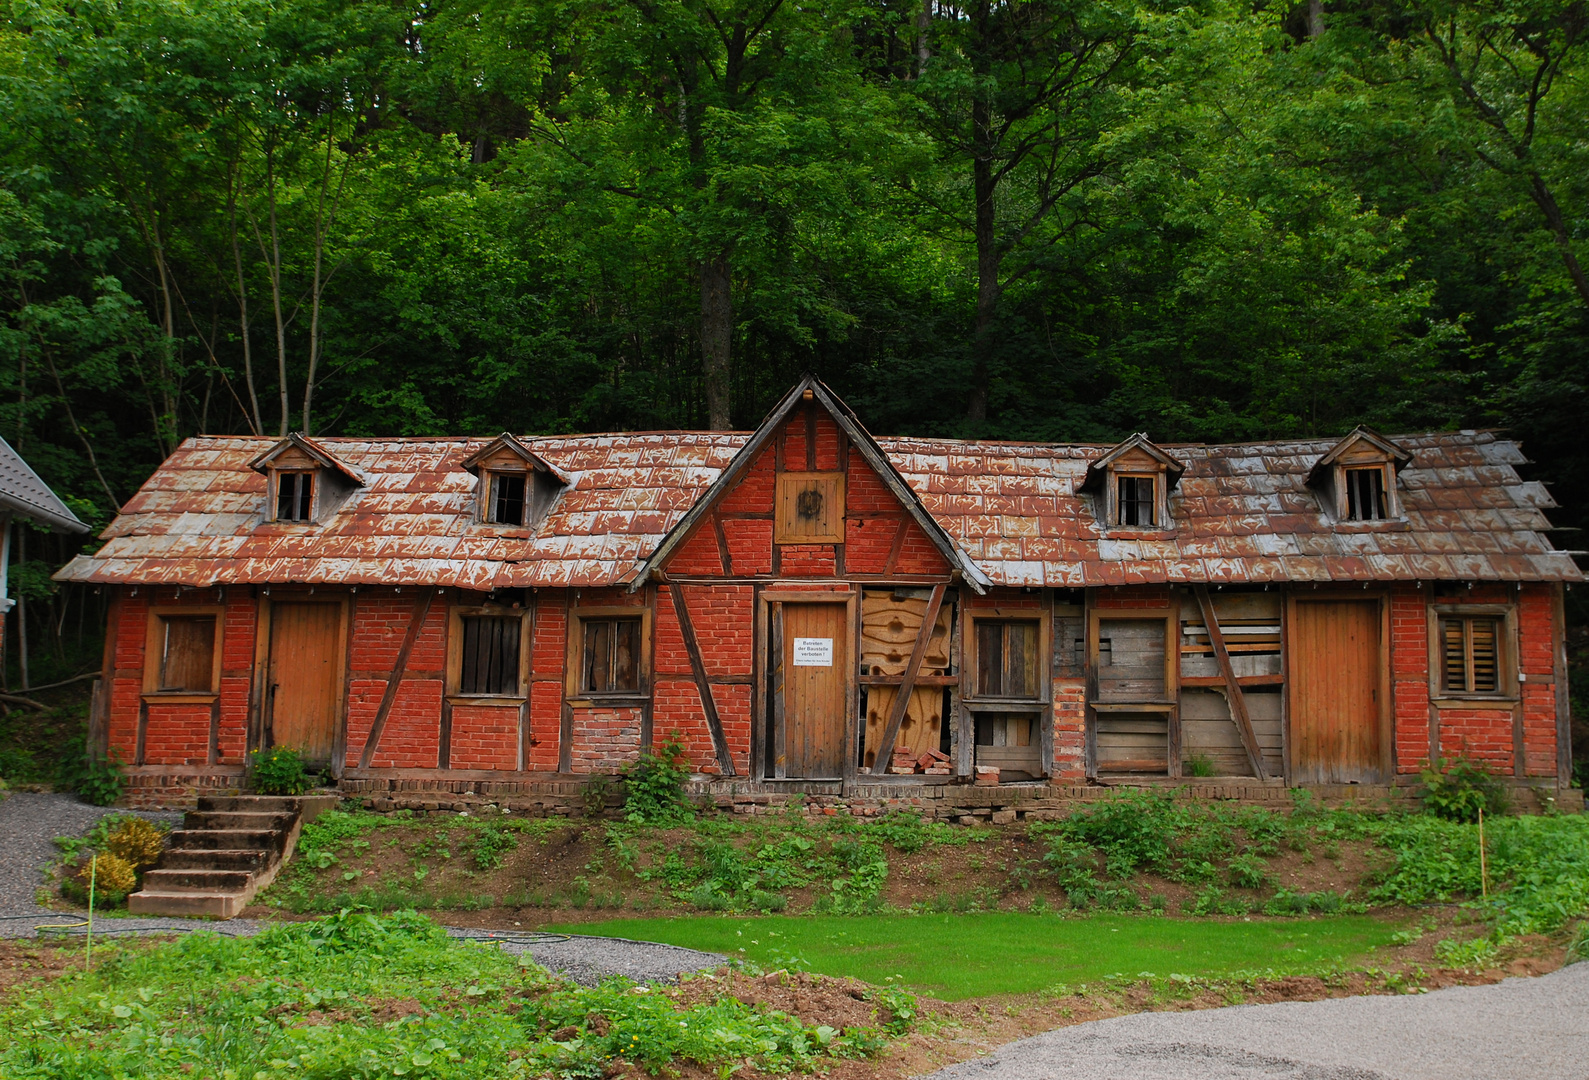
<point x="226" y="851"/>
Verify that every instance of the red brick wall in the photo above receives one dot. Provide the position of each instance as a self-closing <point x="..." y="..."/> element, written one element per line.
<point x="179" y="734"/>
<point x="548" y="652"/>
<point x="1536" y="663"/>
<point x="1409" y="674"/>
<point x="1070" y="729"/>
<point x="484" y="737"/>
<point x="605" y="739"/>
<point x="411" y="737"/>
<point x="723" y="619"/>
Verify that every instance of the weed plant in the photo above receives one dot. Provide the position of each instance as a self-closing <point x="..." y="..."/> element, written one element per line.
<point x="313" y="1001"/>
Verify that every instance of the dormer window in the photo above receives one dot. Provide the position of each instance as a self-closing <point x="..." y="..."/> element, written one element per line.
<point x="1136" y="499"/>
<point x="1365" y="494"/>
<point x="517" y="486"/>
<point x="1356" y="479"/>
<point x="506" y="504"/>
<point x="304" y="481"/>
<point x="294" y="496"/>
<point x="1131" y="485"/>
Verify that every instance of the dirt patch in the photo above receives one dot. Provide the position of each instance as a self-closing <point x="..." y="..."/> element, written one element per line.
<point x="27" y="961"/>
<point x="815" y="999"/>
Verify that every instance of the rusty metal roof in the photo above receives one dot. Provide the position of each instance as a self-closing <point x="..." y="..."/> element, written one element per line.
<point x="1241" y="514"/>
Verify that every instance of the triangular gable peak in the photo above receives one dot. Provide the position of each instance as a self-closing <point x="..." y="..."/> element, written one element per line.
<point x="1137" y="452"/>
<point x="506" y="448"/>
<point x="1133" y="481"/>
<point x="301" y="452"/>
<point x="1362" y="445"/>
<point x="1356" y="478"/>
<point x="809" y="492"/>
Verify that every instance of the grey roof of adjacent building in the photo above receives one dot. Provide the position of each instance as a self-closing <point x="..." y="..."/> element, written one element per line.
<point x="24" y="494"/>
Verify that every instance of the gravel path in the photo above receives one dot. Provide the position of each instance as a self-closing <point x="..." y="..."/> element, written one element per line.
<point x="1519" y="1029"/>
<point x="29" y="824"/>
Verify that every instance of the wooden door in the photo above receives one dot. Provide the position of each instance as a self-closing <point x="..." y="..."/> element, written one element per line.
<point x="810" y="690"/>
<point x="305" y="677"/>
<point x="1336" y="713"/>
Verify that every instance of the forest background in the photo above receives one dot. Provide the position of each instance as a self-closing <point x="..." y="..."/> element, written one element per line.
<point x="1026" y="219"/>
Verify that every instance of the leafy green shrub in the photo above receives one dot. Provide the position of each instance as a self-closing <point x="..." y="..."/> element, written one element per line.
<point x="138" y="842"/>
<point x="278" y="771"/>
<point x="1477" y="953"/>
<point x="1249" y="872"/>
<point x="18" y="767"/>
<point x="111" y="877"/>
<point x="1457" y="790"/>
<point x="100" y="781"/>
<point x="1538" y="867"/>
<point x="654" y="786"/>
<point x="1199" y="765"/>
<point x="1578" y="949"/>
<point x="593" y="796"/>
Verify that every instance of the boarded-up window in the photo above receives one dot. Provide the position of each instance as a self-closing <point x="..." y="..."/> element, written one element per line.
<point x="490" y="655"/>
<point x="294" y="496"/>
<point x="612" y="656"/>
<point x="1007" y="658"/>
<point x="507" y="499"/>
<point x="1131" y="660"/>
<point x="1365" y="494"/>
<point x="1470" y="654"/>
<point x="1135" y="501"/>
<point x="810" y="508"/>
<point x="187" y="660"/>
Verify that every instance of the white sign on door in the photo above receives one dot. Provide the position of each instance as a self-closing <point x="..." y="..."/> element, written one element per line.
<point x="813" y="652"/>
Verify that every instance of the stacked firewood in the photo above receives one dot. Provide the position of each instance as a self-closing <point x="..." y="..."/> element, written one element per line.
<point x="930" y="762"/>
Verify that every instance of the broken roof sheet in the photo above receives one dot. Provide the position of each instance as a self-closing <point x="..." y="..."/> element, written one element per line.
<point x="1241" y="514"/>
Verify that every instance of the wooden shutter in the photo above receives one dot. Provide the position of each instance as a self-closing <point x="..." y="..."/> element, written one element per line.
<point x="1470" y="655"/>
<point x="810" y="508"/>
<point x="490" y="662"/>
<point x="189" y="659"/>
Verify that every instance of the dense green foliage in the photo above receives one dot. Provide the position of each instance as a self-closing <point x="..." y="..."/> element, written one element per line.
<point x="278" y="771"/>
<point x="1461" y="790"/>
<point x="653" y="786"/>
<point x="204" y="1006"/>
<point x="1044" y="219"/>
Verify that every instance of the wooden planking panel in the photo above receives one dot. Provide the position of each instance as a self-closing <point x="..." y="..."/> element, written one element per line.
<point x="814" y="697"/>
<point x="1131" y="660"/>
<point x="890" y="625"/>
<point x="306" y="684"/>
<point x="1133" y="742"/>
<point x="1208" y="729"/>
<point x="1334" y="685"/>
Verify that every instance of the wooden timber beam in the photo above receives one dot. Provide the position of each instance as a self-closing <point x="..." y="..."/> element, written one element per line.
<point x="416" y="623"/>
<point x="725" y="760"/>
<point x="1238" y="701"/>
<point x="896" y="715"/>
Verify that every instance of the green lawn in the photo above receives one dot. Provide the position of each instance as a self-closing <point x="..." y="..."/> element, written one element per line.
<point x="962" y="956"/>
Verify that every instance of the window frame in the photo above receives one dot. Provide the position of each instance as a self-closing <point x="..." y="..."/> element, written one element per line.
<point x="574" y="664"/>
<point x="792" y="478"/>
<point x="1506" y="690"/>
<point x="1117" y="518"/>
<point x="488" y="495"/>
<point x="314" y="495"/>
<point x="1342" y="498"/>
<point x="154" y="652"/>
<point x="1109" y="508"/>
<point x="455" y="617"/>
<point x="971" y="663"/>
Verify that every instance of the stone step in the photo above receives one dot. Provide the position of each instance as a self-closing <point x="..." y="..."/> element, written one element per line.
<point x="228" y="819"/>
<point x="218" y="905"/>
<point x="310" y="806"/>
<point x="206" y="880"/>
<point x="226" y="839"/>
<point x="215" y="859"/>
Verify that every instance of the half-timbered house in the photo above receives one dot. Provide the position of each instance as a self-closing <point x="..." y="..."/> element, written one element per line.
<point x="809" y="608"/>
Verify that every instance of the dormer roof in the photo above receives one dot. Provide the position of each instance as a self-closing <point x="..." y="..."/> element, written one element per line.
<point x="1359" y="436"/>
<point x="317" y="453"/>
<point x="1139" y="442"/>
<point x="510" y="444"/>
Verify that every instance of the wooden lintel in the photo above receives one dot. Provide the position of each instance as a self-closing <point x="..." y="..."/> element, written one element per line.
<point x="1238" y="700"/>
<point x="725" y="759"/>
<point x="896" y="715"/>
<point x="416" y="623"/>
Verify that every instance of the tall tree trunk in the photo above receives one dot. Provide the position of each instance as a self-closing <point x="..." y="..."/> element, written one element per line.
<point x="717" y="327"/>
<point x="984" y="187"/>
<point x="1315" y="18"/>
<point x="923" y="25"/>
<point x="1560" y="232"/>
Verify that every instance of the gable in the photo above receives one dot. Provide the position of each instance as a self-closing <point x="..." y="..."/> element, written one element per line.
<point x="855" y="525"/>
